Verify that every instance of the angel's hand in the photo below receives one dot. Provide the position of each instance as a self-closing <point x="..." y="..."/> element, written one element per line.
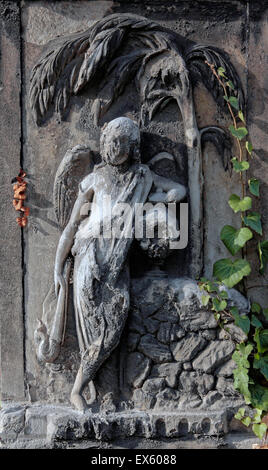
<point x="59" y="282"/>
<point x="176" y="194"/>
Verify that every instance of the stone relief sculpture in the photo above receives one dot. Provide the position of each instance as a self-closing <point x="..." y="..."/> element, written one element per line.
<point x="113" y="52"/>
<point x="100" y="275"/>
<point x="118" y="49"/>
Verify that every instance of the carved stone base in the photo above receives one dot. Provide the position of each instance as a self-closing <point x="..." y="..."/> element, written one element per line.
<point x="51" y="423"/>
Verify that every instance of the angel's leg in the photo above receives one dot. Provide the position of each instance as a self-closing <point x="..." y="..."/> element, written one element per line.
<point x="76" y="397"/>
<point x="92" y="360"/>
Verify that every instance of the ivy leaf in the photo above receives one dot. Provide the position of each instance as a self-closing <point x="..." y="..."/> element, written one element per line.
<point x="234" y="239"/>
<point x="233" y="101"/>
<point x="254" y="186"/>
<point x="239" y="132"/>
<point x="263" y="255"/>
<point x="223" y="294"/>
<point x="262" y="365"/>
<point x="240" y="356"/>
<point x="230" y="84"/>
<point x="238" y="204"/>
<point x="249" y="146"/>
<point x="229" y="272"/>
<point x="212" y="287"/>
<point x="246" y="421"/>
<point x="259" y="397"/>
<point x="265" y="312"/>
<point x="261" y="339"/>
<point x="242" y="321"/>
<point x="241" y="116"/>
<point x="241" y="376"/>
<point x="205" y="300"/>
<point x="241" y="382"/>
<point x="259" y="430"/>
<point x="257" y="339"/>
<point x="219" y="305"/>
<point x="234" y="310"/>
<point x="240" y="414"/>
<point x="253" y="220"/>
<point x="221" y="72"/>
<point x="256" y="322"/>
<point x="257" y="416"/>
<point x="240" y="166"/>
<point x="255" y="307"/>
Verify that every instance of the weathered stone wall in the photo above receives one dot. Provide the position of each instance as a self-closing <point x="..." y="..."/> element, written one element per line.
<point x="237" y="27"/>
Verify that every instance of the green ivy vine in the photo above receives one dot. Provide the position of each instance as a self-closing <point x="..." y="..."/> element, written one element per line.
<point x="251" y="355"/>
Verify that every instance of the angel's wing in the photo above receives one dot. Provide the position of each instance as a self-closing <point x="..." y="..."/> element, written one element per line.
<point x="77" y="163"/>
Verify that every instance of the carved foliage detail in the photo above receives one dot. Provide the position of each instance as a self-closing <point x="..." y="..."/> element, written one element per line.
<point x="125" y="45"/>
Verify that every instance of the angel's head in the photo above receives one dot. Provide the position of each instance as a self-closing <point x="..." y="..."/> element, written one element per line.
<point x="120" y="141"/>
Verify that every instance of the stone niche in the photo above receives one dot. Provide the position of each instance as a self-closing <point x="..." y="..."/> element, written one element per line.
<point x="171" y="372"/>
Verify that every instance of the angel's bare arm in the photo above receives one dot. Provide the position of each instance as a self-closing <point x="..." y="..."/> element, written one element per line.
<point x="174" y="192"/>
<point x="67" y="237"/>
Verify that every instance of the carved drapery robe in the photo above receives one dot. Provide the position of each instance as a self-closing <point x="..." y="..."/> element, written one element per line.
<point x="100" y="279"/>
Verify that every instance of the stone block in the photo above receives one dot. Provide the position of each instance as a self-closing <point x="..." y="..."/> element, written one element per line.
<point x="198" y="320"/>
<point x="137" y="369"/>
<point x="154" y="386"/>
<point x="170" y="371"/>
<point x="176" y="332"/>
<point x="132" y="341"/>
<point x="209" y="335"/>
<point x="151" y="325"/>
<point x="233" y="332"/>
<point x="154" y="350"/>
<point x="135" y="322"/>
<point x="155" y="295"/>
<point x="36" y="422"/>
<point x="188" y="347"/>
<point x="143" y="400"/>
<point x="226" y="370"/>
<point x="167" y="313"/>
<point x="187" y="366"/>
<point x="214" y="397"/>
<point x="189" y="401"/>
<point x="192" y="383"/>
<point x="163" y="334"/>
<point x="12" y="419"/>
<point x="213" y="356"/>
<point x="167" y="399"/>
<point x="226" y="387"/>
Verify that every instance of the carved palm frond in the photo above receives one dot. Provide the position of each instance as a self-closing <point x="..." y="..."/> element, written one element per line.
<point x="118" y="49"/>
<point x="222" y="142"/>
<point x="168" y="81"/>
<point x="55" y="74"/>
<point x="195" y="58"/>
<point x="74" y="61"/>
<point x="125" y="68"/>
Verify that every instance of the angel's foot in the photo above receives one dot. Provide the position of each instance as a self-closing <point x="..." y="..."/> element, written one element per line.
<point x="78" y="402"/>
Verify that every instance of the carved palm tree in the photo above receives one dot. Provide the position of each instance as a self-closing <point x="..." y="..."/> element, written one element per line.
<point x="122" y="48"/>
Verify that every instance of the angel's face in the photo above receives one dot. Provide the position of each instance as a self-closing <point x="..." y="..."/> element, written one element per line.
<point x="117" y="149"/>
<point x="118" y="140"/>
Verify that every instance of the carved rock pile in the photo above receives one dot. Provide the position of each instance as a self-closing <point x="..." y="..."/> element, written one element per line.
<point x="177" y="356"/>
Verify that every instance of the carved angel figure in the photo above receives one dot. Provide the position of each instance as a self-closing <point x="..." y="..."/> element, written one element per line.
<point x="100" y="272"/>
